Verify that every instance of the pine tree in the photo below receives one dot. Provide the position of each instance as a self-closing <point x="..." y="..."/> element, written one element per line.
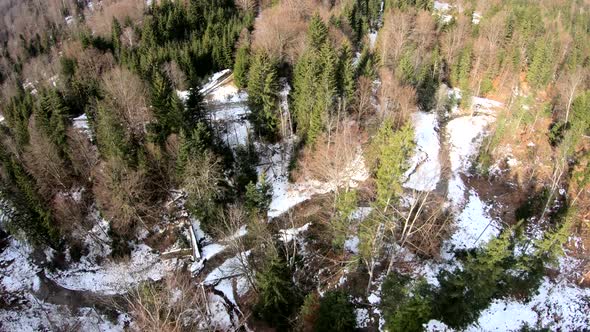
<point x="329" y="79"/>
<point x="317" y="32"/>
<point x="347" y="73"/>
<point x="276" y="297"/>
<point x="116" y="37"/>
<point x="241" y="67"/>
<point x="336" y="313"/>
<point x="270" y="99"/>
<point x="345" y="204"/>
<point x="393" y="149"/>
<point x="541" y="64"/>
<point x="304" y="88"/>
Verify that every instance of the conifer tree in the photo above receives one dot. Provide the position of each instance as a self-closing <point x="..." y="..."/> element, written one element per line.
<point x="317" y="32"/>
<point x="393" y="149"/>
<point x="304" y="85"/>
<point x="347" y="73"/>
<point x="241" y="67"/>
<point x="116" y="37"/>
<point x="277" y="297"/>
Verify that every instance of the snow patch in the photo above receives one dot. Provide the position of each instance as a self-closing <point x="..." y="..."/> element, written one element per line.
<point x="474" y="226"/>
<point x="362" y="318"/>
<point x="114" y="278"/>
<point x="425" y="170"/>
<point x="287" y="235"/>
<point x="465" y="135"/>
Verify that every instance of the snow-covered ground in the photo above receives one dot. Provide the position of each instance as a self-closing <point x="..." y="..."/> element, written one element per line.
<point x="465" y="135"/>
<point x="286" y="194"/>
<point x="229" y="279"/>
<point x="25" y="312"/>
<point x="115" y="277"/>
<point x="425" y="170"/>
<point x="474" y="226"/>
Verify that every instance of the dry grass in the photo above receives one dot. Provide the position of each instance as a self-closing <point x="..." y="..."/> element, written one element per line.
<point x="100" y="20"/>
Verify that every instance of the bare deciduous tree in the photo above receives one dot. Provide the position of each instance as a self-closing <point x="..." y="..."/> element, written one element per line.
<point x="394" y="37"/>
<point x="280" y="32"/>
<point x="124" y="195"/>
<point x="82" y="153"/>
<point x="335" y="159"/>
<point x="128" y="96"/>
<point x="175" y="305"/>
<point x="363" y="98"/>
<point x="43" y="160"/>
<point x="568" y="84"/>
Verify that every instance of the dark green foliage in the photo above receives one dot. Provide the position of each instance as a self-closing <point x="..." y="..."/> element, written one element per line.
<point x="245" y="161"/>
<point x="541" y="64"/>
<point x="556" y="131"/>
<point x="580" y="117"/>
<point x="403" y="312"/>
<point x="347" y="73"/>
<point x="258" y="196"/>
<point x="317" y="32"/>
<point x="465" y="293"/>
<point x="263" y="89"/>
<point x="277" y="297"/>
<point x="112" y="140"/>
<point x="241" y="67"/>
<point x="116" y="33"/>
<point x="167" y="108"/>
<point x="320" y="78"/>
<point x="198" y="35"/>
<point x="532" y="206"/>
<point x="462" y="68"/>
<point x="405" y="4"/>
<point x="336" y="313"/>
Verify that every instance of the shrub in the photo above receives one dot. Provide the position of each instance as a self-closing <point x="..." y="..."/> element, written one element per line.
<point x="336" y="313"/>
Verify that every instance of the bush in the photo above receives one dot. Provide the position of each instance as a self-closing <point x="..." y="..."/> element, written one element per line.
<point x="336" y="313"/>
<point x="277" y="296"/>
<point x="402" y="312"/>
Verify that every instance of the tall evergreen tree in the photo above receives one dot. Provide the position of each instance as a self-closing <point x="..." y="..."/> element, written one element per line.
<point x="241" y="67"/>
<point x="116" y="33"/>
<point x="347" y="74"/>
<point x="393" y="149"/>
<point x="317" y="32"/>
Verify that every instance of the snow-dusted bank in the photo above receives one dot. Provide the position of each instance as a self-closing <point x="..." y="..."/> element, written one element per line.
<point x="425" y="170"/>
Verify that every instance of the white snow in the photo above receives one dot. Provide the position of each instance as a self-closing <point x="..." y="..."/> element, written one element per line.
<point x="183" y="95"/>
<point x="18" y="274"/>
<point x="442" y="6"/>
<point x="233" y="121"/>
<point x="19" y="281"/>
<point x="81" y="123"/>
<point x="214" y="80"/>
<point x="352" y="244"/>
<point x="287" y="235"/>
<point x="465" y="135"/>
<point x="230" y="268"/>
<point x="374" y="298"/>
<point x="362" y="318"/>
<point x="360" y="213"/>
<point x="504" y="316"/>
<point x="557" y="306"/>
<point x="436" y="326"/>
<point x="287" y="195"/>
<point x="114" y="277"/>
<point x="372" y="39"/>
<point x="476" y="18"/>
<point x="474" y="225"/>
<point x="425" y="170"/>
<point x="223" y="278"/>
<point x="209" y="251"/>
<point x="227" y="93"/>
